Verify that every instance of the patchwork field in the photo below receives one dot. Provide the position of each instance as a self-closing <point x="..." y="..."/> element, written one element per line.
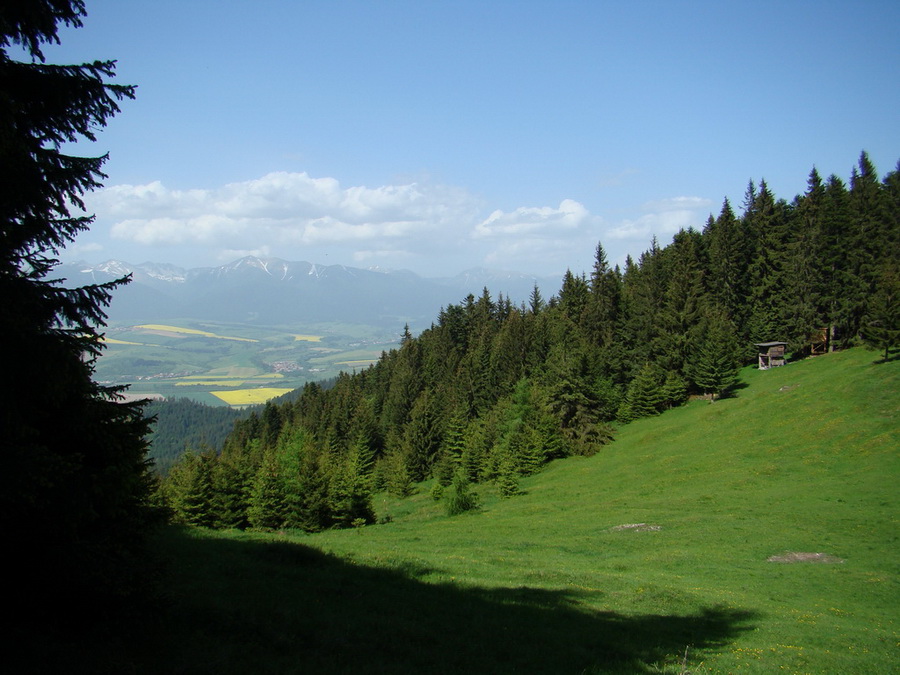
<point x="233" y="364"/>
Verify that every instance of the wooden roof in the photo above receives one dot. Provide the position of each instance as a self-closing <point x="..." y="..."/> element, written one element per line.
<point x="769" y="344"/>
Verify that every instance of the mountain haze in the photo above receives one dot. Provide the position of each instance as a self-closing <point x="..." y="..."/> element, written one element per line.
<point x="276" y="291"/>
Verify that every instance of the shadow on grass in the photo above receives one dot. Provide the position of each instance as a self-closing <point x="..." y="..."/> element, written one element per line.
<point x="732" y="390"/>
<point x="238" y="606"/>
<point x="893" y="356"/>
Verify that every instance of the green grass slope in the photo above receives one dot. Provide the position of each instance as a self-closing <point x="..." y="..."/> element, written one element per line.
<point x="804" y="459"/>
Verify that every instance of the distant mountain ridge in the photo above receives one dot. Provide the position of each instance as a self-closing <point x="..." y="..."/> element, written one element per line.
<point x="272" y="291"/>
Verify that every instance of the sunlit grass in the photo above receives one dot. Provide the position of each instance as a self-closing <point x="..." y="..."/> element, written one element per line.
<point x="307" y="338"/>
<point x="804" y="459"/>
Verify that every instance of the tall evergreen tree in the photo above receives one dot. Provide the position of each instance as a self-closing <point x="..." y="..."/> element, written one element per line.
<point x="803" y="310"/>
<point x="190" y="491"/>
<point x="605" y="303"/>
<point x="644" y="396"/>
<point x="644" y="285"/>
<point x="683" y="302"/>
<point x="871" y="223"/>
<point x="73" y="484"/>
<point x="842" y="288"/>
<point x="268" y="501"/>
<point x="728" y="261"/>
<point x="423" y="436"/>
<point x="881" y="325"/>
<point x="715" y="364"/>
<point x="536" y="301"/>
<point x="766" y="225"/>
<point x="573" y="296"/>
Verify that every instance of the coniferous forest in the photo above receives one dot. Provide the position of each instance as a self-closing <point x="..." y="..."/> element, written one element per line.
<point x="493" y="390"/>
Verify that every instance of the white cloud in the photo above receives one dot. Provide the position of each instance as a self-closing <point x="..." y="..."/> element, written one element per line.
<point x="543" y="221"/>
<point x="78" y="249"/>
<point x="538" y="238"/>
<point x="390" y="256"/>
<point x="662" y="218"/>
<point x="432" y="229"/>
<point x="227" y="255"/>
<point x="284" y="209"/>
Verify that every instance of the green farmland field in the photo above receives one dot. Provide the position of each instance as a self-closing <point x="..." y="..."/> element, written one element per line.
<point x="183" y="358"/>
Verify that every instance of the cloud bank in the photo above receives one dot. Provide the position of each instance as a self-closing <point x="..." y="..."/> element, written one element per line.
<point x="430" y="228"/>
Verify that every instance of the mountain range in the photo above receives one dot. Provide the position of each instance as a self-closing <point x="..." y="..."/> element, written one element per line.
<point x="272" y="291"/>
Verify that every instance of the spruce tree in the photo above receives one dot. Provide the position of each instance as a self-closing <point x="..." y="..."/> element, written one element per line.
<point x="714" y="367"/>
<point x="872" y="224"/>
<point x="766" y="226"/>
<point x="804" y="309"/>
<point x="268" y="499"/>
<point x="451" y="452"/>
<point x="507" y="476"/>
<point x="74" y="489"/>
<point x="842" y="287"/>
<point x="644" y="396"/>
<point x="881" y="325"/>
<point x="190" y="491"/>
<point x="728" y="262"/>
<point x="233" y="479"/>
<point x="460" y="497"/>
<point x="644" y="287"/>
<point x="605" y="304"/>
<point x="422" y="438"/>
<point x="682" y="303"/>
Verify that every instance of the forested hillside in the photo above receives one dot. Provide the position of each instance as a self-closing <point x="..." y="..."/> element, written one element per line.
<point x="492" y="391"/>
<point x="183" y="423"/>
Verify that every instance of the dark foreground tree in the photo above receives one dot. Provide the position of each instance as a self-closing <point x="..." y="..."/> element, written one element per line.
<point x="73" y="473"/>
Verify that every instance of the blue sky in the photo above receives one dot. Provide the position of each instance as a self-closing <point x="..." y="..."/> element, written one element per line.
<point x="440" y="136"/>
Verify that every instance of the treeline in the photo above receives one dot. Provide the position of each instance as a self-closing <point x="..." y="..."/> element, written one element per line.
<point x="493" y="391"/>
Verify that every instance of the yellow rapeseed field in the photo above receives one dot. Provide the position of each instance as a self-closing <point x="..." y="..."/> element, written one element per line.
<point x="249" y="396"/>
<point x="163" y="328"/>
<point x="113" y="341"/>
<point x="307" y="338"/>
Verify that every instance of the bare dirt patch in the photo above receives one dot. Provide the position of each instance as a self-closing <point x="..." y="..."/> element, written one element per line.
<point x="636" y="527"/>
<point x="801" y="557"/>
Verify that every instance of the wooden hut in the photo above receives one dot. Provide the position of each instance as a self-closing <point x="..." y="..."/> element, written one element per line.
<point x="771" y="354"/>
<point x="819" y="342"/>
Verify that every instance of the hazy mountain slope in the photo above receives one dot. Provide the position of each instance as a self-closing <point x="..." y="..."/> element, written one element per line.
<point x="275" y="291"/>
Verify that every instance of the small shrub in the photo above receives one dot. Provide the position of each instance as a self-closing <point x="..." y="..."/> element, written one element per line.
<point x="437" y="491"/>
<point x="460" y="498"/>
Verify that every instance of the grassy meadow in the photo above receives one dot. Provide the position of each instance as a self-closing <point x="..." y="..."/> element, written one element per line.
<point x="757" y="534"/>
